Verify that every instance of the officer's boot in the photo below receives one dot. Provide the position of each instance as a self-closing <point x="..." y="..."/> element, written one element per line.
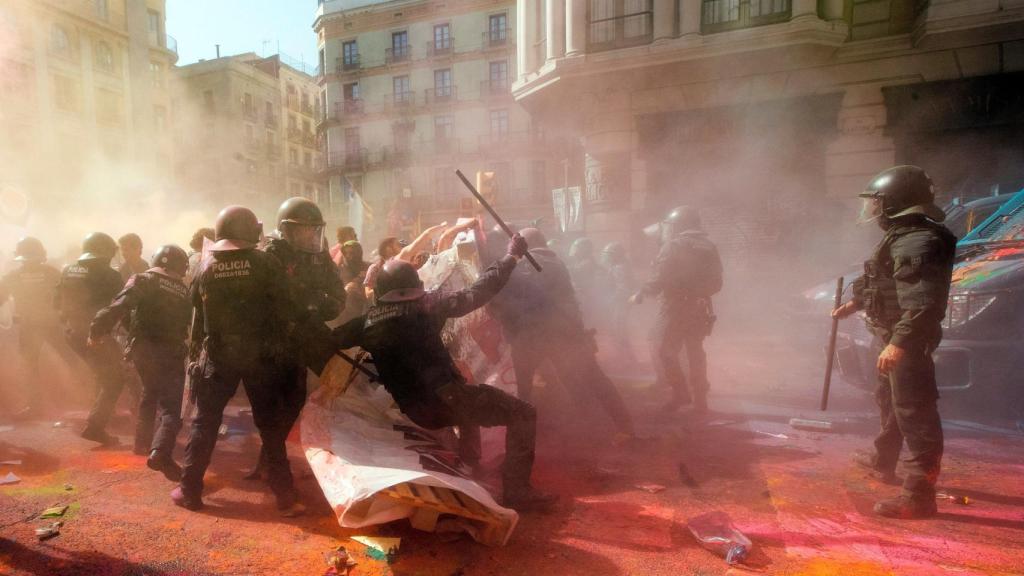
<point x="187" y="501"/>
<point x="528" y="498"/>
<point x="905" y="507"/>
<point x="259" y="472"/>
<point x="101" y="436"/>
<point x="869" y="461"/>
<point x="162" y="462"/>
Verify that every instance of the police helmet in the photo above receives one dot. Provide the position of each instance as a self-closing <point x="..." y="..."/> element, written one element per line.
<point x="171" y="258"/>
<point x="398" y="281"/>
<point x="29" y="249"/>
<point x="904" y="190"/>
<point x="236" y="228"/>
<point x="98" y="246"/>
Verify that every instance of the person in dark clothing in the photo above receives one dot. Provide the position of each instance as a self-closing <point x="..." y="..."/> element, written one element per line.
<point x="155" y="303"/>
<point x="131" y="251"/>
<point x="315" y="296"/>
<point x="85" y="287"/>
<point x="904" y="291"/>
<point x="402" y="332"/>
<point x="353" y="275"/>
<point x="586" y="275"/>
<point x="687" y="273"/>
<point x="620" y="287"/>
<point x="32" y="286"/>
<point x="241" y="302"/>
<point x="541" y="320"/>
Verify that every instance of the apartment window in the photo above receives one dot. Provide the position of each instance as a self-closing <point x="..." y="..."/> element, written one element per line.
<point x="351" y="91"/>
<point x="352" y="143"/>
<point x="307" y="159"/>
<point x="248" y="105"/>
<point x="722" y="15"/>
<point x="108" y="107"/>
<point x="443" y="84"/>
<point x="443" y="194"/>
<point x="497" y="29"/>
<point x="156" y="73"/>
<point x="154" y="22"/>
<point x="250" y="131"/>
<point x="442" y="38"/>
<point x="104" y="57"/>
<point x="498" y="74"/>
<point x="306" y="127"/>
<point x="619" y="23"/>
<point x="399" y="50"/>
<point x="160" y="118"/>
<point x="293" y="122"/>
<point x="401" y="133"/>
<point x="350" y="55"/>
<point x="65" y="93"/>
<point x="402" y="90"/>
<point x="102" y="10"/>
<point x="268" y="111"/>
<point x="60" y="42"/>
<point x="444" y="131"/>
<point x="293" y="156"/>
<point x="271" y="139"/>
<point x="499" y="124"/>
<point x="208" y="103"/>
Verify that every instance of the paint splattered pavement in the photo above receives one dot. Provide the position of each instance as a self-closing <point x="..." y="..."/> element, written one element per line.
<point x="796" y="494"/>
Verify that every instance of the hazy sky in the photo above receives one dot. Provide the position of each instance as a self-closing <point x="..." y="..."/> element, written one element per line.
<point x="242" y="26"/>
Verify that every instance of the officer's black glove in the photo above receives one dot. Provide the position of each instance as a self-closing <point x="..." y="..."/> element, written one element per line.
<point x="517" y="246"/>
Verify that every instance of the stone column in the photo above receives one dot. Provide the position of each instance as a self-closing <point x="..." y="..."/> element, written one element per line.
<point x="664" y="19"/>
<point x="575" y="27"/>
<point x="805" y="9"/>
<point x="526" y="37"/>
<point x="689" y="17"/>
<point x="555" y="32"/>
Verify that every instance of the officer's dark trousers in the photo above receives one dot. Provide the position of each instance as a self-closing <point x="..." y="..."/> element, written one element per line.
<point x="162" y="370"/>
<point x="907" y="402"/>
<point x="469" y="406"/>
<point x="219" y="384"/>
<point x="289" y="381"/>
<point x="31" y="338"/>
<point x="105" y="361"/>
<point x="576" y="368"/>
<point x="673" y="332"/>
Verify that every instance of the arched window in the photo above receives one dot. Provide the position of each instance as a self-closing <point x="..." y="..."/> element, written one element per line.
<point x="59" y="40"/>
<point x="104" y="57"/>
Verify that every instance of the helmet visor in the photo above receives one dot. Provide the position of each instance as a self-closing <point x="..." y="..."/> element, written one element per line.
<point x="304" y="237"/>
<point x="870" y="209"/>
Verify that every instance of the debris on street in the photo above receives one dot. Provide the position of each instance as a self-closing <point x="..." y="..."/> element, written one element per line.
<point x="55" y="512"/>
<point x="49" y="531"/>
<point x="380" y="548"/>
<point x="11" y="478"/>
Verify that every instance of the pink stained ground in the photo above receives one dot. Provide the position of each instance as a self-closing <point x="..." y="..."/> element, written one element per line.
<point x="804" y="505"/>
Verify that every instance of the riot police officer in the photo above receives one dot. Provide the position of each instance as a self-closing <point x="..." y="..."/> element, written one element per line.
<point x="541" y="320"/>
<point x="314" y="297"/>
<point x="687" y="273"/>
<point x="586" y="275"/>
<point x="155" y="304"/>
<point x="32" y="286"/>
<point x="620" y="287"/>
<point x="904" y="291"/>
<point x="239" y="294"/>
<point x="402" y="332"/>
<point x="85" y="287"/>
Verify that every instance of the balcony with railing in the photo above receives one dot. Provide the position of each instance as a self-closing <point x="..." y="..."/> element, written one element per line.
<point x="439" y="95"/>
<point x="306" y="108"/>
<point x="495" y="38"/>
<point x="495" y="89"/>
<point x="725" y="15"/>
<point x="515" y="142"/>
<point x="403" y="100"/>
<point x="348" y="64"/>
<point x="270" y="121"/>
<point x="250" y="113"/>
<point x="440" y="47"/>
<point x="354" y="106"/>
<point x="609" y="30"/>
<point x="347" y="160"/>
<point x="397" y="54"/>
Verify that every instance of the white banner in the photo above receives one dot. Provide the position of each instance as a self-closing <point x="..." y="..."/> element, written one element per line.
<point x="360" y="446"/>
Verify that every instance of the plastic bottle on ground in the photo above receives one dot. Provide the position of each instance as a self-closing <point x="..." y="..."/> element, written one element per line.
<point x="716" y="532"/>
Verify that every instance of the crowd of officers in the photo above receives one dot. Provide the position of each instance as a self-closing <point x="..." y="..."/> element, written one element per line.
<point x="256" y="311"/>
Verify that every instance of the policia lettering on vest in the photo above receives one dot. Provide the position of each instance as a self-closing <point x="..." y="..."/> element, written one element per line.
<point x="903" y="293"/>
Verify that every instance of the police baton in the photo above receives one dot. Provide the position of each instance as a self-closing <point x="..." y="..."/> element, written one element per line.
<point x="493" y="214"/>
<point x="358" y="366"/>
<point x="832" y="346"/>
